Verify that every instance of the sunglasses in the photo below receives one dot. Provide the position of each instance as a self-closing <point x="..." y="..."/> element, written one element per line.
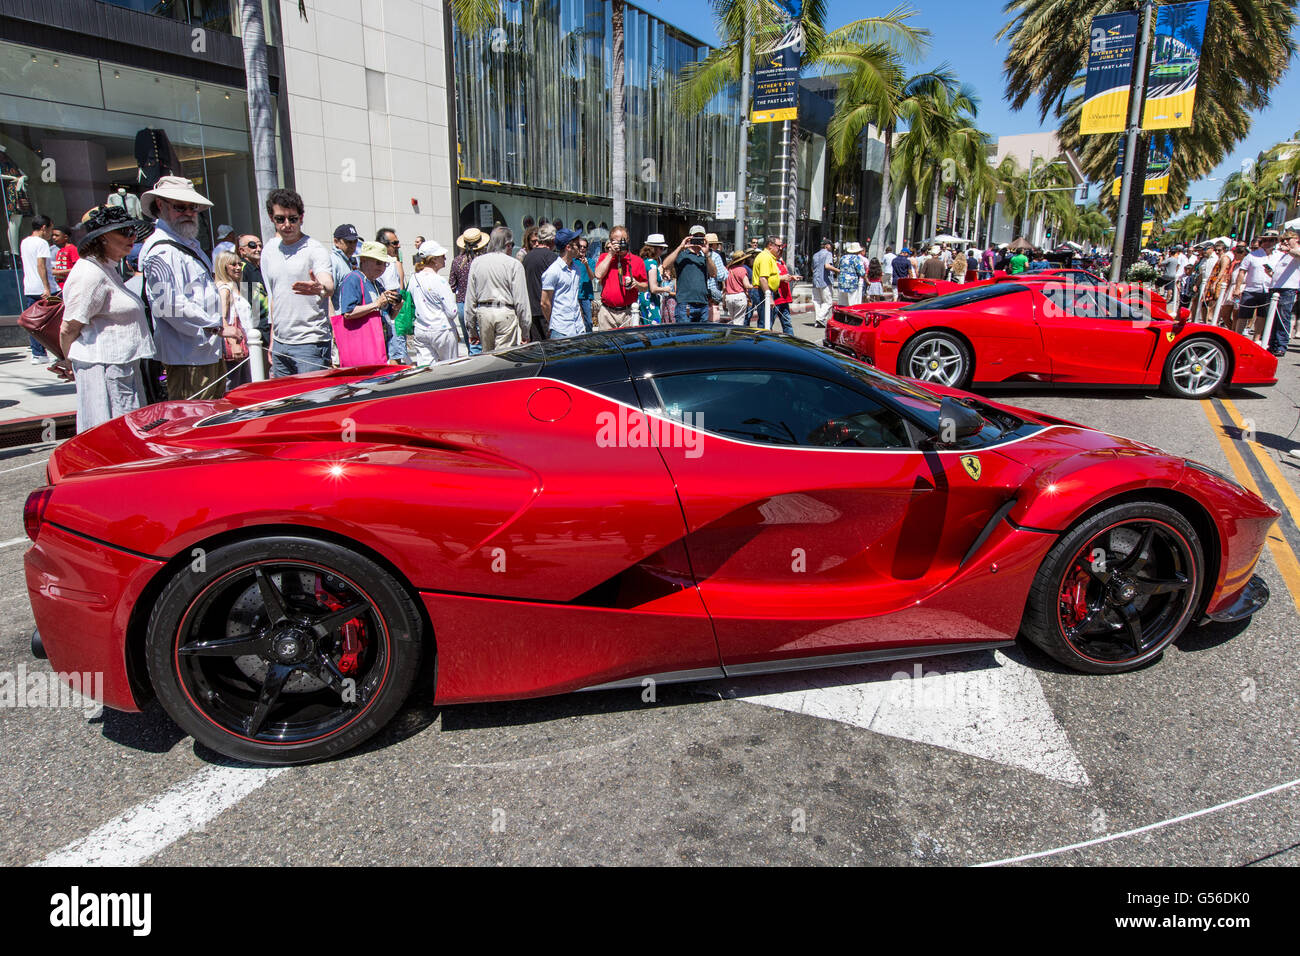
<point x="252" y="245"/>
<point x="392" y="242"/>
<point x="183" y="206"/>
<point x="281" y="220"/>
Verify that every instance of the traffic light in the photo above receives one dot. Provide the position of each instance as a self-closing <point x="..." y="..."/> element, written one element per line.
<point x="1233" y="234"/>
<point x="1268" y="223"/>
<point x="1049" y="232"/>
<point x="1187" y="205"/>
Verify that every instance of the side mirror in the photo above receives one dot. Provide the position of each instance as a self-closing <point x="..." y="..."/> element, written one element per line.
<point x="956" y="421"/>
<point x="1184" y="314"/>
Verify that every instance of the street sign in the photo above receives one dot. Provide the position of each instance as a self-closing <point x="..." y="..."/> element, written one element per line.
<point x="724" y="206"/>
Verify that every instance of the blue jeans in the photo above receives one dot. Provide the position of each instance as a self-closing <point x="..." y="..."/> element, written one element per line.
<point x="293" y="359"/>
<point x="1281" y="337"/>
<point x="38" y="350"/>
<point x="782" y="312"/>
<point x="477" y="347"/>
<point x="585" y="305"/>
<point x="692" y="312"/>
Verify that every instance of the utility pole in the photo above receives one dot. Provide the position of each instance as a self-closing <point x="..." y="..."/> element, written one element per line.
<point x="742" y="181"/>
<point x="1131" y="147"/>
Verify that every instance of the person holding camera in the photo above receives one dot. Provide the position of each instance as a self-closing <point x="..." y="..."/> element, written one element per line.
<point x="621" y="277"/>
<point x="694" y="268"/>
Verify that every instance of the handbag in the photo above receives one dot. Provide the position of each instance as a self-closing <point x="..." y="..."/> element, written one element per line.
<point x="404" y="324"/>
<point x="44" y="319"/>
<point x="360" y="341"/>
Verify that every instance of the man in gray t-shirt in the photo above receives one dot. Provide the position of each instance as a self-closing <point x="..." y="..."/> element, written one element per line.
<point x="297" y="276"/>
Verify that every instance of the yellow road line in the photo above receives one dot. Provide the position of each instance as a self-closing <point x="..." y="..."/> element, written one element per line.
<point x="1281" y="485"/>
<point x="1283" y="556"/>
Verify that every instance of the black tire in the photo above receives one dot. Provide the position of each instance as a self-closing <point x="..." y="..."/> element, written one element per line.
<point x="937" y="357"/>
<point x="1196" y="368"/>
<point x="276" y="690"/>
<point x="1113" y="612"/>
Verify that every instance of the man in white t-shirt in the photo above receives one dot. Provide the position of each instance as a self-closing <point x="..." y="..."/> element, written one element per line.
<point x="1285" y="283"/>
<point x="1254" y="279"/>
<point x="296" y="274"/>
<point x="559" y="299"/>
<point x="38" y="273"/>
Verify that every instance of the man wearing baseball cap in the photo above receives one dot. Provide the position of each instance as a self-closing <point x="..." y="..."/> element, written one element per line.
<point x="225" y="241"/>
<point x="693" y="268"/>
<point x="343" y="257"/>
<point x="560" y="284"/>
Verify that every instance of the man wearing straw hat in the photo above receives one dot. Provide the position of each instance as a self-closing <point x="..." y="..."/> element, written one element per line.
<point x="183" y="297"/>
<point x="471" y="242"/>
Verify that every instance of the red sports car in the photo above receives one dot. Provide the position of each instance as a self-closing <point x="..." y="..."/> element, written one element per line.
<point x="666" y="503"/>
<point x="916" y="290"/>
<point x="1040" y="331"/>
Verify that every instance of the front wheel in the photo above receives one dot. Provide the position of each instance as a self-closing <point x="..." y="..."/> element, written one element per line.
<point x="283" y="650"/>
<point x="1117" y="589"/>
<point x="937" y="357"/>
<point x="1196" y="368"/>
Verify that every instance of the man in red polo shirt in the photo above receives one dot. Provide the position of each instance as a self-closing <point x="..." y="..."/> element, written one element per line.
<point x="621" y="276"/>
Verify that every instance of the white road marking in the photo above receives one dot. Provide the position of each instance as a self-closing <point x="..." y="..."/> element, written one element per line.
<point x="1150" y="826"/>
<point x="13" y="541"/>
<point x="150" y="827"/>
<point x="981" y="704"/>
<point x="30" y="464"/>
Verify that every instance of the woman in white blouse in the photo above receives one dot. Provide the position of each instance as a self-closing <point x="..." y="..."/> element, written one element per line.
<point x="236" y="312"/>
<point x="105" y="333"/>
<point x="435" y="305"/>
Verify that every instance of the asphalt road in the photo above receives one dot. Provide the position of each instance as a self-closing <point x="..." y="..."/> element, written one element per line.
<point x="706" y="773"/>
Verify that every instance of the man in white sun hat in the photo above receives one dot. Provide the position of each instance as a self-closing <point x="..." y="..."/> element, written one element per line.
<point x="183" y="298"/>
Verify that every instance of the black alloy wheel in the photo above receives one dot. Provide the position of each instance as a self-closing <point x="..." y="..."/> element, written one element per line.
<point x="283" y="650"/>
<point x="1117" y="589"/>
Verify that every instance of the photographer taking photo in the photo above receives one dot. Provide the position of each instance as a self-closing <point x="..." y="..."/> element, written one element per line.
<point x="694" y="267"/>
<point x="621" y="277"/>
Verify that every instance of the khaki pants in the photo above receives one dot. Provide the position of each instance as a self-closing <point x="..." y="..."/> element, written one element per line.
<point x="184" y="381"/>
<point x="822" y="303"/>
<point x="607" y="318"/>
<point x="498" y="328"/>
<point x="736" y="303"/>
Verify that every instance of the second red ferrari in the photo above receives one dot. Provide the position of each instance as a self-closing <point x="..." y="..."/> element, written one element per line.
<point x="1042" y="331"/>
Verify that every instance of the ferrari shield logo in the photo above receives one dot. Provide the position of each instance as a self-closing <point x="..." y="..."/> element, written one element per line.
<point x="1169" y="336"/>
<point x="972" y="466"/>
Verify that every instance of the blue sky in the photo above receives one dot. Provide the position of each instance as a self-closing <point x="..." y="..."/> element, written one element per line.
<point x="962" y="33"/>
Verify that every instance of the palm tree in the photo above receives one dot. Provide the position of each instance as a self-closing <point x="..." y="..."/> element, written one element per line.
<point x="1247" y="48"/>
<point x="261" y="118"/>
<point x="867" y="51"/>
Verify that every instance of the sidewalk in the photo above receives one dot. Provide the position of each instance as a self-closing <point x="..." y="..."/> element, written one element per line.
<point x="31" y="391"/>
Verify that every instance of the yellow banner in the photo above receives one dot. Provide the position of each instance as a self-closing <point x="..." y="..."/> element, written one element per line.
<point x="1105" y="113"/>
<point x="1169" y="112"/>
<point x="774" y="116"/>
<point x="1152" y="187"/>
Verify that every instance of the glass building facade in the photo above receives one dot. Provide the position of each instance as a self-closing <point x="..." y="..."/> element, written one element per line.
<point x="532" y="114"/>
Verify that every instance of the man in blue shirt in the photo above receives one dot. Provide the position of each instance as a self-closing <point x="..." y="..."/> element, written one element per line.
<point x="823" y="266"/>
<point x="902" y="268"/>
<point x="694" y="268"/>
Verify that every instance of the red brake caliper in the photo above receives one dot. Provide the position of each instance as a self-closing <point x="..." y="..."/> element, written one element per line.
<point x="353" y="643"/>
<point x="1074" y="596"/>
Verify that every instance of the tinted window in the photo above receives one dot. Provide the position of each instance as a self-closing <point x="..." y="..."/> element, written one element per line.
<point x="780" y="408"/>
<point x="979" y="293"/>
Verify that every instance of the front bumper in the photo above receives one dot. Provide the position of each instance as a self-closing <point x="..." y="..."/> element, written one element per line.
<point x="1252" y="597"/>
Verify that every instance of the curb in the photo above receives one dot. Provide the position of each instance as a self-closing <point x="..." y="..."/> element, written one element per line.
<point x="34" y="430"/>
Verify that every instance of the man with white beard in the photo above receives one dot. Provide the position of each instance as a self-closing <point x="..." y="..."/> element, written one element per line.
<point x="183" y="299"/>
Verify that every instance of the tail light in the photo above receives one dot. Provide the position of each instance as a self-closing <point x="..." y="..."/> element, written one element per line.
<point x="34" y="510"/>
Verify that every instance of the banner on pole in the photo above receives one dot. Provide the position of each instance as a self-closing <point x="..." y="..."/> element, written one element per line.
<point x="1110" y="73"/>
<point x="776" y="86"/>
<point x="1175" y="63"/>
<point x="1160" y="157"/>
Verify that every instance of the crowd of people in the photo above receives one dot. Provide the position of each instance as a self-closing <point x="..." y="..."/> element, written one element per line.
<point x="149" y="314"/>
<point x="1235" y="287"/>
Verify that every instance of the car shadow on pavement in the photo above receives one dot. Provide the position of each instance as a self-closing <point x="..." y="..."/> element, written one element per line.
<point x="151" y="730"/>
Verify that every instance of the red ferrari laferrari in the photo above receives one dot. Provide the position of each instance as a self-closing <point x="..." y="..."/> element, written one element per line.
<point x="1035" y="330"/>
<point x="280" y="567"/>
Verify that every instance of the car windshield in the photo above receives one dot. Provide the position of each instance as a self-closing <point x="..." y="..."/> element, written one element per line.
<point x="979" y="293"/>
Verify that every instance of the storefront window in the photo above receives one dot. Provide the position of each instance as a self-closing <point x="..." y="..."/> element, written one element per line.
<point x="77" y="132"/>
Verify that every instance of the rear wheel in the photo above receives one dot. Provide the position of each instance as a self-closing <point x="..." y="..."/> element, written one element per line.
<point x="937" y="357"/>
<point x="283" y="650"/>
<point x="1196" y="368"/>
<point x="1117" y="589"/>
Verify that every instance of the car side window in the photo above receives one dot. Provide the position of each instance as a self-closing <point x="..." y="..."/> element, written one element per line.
<point x="780" y="408"/>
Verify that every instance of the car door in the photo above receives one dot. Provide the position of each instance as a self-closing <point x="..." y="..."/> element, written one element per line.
<point x="813" y="520"/>
<point x="1093" y="338"/>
